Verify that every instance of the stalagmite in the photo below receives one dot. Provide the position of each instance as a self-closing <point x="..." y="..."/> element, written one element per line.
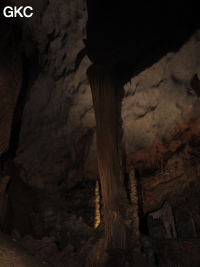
<point x="134" y="206"/>
<point x="97" y="218"/>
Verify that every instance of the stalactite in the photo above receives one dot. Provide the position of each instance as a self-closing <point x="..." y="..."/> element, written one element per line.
<point x="134" y="205"/>
<point x="166" y="215"/>
<point x="97" y="218"/>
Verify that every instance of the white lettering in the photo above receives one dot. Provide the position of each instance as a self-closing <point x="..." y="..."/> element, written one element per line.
<point x="9" y="11"/>
<point x="31" y="13"/>
<point x="17" y="11"/>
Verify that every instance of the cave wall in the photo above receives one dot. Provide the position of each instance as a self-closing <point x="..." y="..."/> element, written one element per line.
<point x="160" y="113"/>
<point x="57" y="145"/>
<point x="58" y="115"/>
<point x="160" y="104"/>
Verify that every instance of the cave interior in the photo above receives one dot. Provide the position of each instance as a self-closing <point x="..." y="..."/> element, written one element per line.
<point x="100" y="134"/>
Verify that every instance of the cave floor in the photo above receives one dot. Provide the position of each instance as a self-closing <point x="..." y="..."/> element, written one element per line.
<point x="166" y="253"/>
<point x="13" y="255"/>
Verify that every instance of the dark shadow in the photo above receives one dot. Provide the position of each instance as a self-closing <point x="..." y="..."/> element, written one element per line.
<point x="156" y="259"/>
<point x="30" y="73"/>
<point x="143" y="217"/>
<point x="136" y="34"/>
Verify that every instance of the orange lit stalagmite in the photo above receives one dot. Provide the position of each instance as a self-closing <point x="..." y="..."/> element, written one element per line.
<point x="106" y="100"/>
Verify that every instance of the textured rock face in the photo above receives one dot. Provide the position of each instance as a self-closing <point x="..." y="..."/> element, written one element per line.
<point x="58" y="116"/>
<point x="160" y="103"/>
<point x="57" y="146"/>
<point x="160" y="115"/>
<point x="14" y="255"/>
<point x="57" y="140"/>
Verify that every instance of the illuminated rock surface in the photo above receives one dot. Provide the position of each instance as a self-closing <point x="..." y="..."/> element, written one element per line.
<point x="50" y="199"/>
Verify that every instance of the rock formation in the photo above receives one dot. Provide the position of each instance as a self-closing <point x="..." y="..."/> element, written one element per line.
<point x="109" y="96"/>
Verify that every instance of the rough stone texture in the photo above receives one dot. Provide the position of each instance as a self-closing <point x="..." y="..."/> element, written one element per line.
<point x="12" y="255"/>
<point x="160" y="112"/>
<point x="57" y="146"/>
<point x="58" y="116"/>
<point x="178" y="252"/>
<point x="46" y="249"/>
<point x="159" y="103"/>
